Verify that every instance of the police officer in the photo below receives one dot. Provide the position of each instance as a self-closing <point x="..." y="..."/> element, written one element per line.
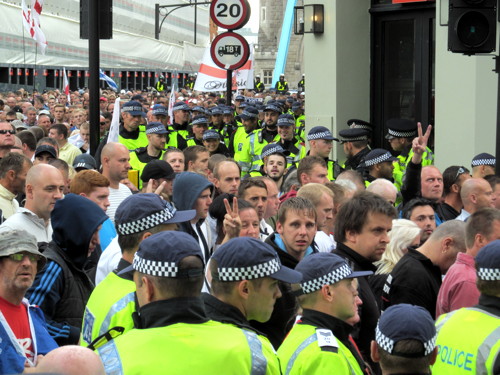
<point x="182" y="114"/>
<point x="157" y="137"/>
<point x="301" y="86"/>
<point x="173" y="331"/>
<point x="160" y="85"/>
<point x="190" y="83"/>
<point x="321" y="144"/>
<point x="281" y="86"/>
<point x="261" y="137"/>
<point x="258" y="86"/>
<point x="289" y="140"/>
<point x="355" y="144"/>
<point x="400" y="134"/>
<point x="408" y="347"/>
<point x="249" y="290"/>
<point x="199" y="125"/>
<point x="212" y="142"/>
<point x="380" y="164"/>
<point x="240" y="142"/>
<point x="300" y="119"/>
<point x="469" y="338"/>
<point x="159" y="113"/>
<point x="483" y="165"/>
<point x="113" y="300"/>
<point x="319" y="343"/>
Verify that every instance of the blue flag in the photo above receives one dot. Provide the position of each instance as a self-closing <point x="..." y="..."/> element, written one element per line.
<point x="108" y="80"/>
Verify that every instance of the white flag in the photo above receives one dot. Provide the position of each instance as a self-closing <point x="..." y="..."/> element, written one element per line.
<point x="114" y="129"/>
<point x="171" y="103"/>
<point x="32" y="25"/>
<point x="66" y="86"/>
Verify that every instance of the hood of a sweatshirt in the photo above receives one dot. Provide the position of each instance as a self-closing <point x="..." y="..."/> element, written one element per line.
<point x="187" y="188"/>
<point x="74" y="221"/>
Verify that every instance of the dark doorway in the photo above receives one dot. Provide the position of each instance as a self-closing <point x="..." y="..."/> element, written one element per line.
<point x="403" y="58"/>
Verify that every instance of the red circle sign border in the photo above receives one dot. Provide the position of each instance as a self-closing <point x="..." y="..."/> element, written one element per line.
<point x="242" y="22"/>
<point x="244" y="56"/>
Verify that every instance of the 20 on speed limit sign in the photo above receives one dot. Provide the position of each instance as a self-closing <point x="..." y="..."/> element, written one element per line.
<point x="229" y="51"/>
<point x="230" y="14"/>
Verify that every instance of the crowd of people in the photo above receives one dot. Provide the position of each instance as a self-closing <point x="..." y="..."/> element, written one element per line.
<point x="209" y="238"/>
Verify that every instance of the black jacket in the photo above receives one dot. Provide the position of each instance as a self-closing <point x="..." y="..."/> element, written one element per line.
<point x="364" y="331"/>
<point x="414" y="280"/>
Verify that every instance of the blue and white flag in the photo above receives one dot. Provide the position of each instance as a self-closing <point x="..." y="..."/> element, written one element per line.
<point x="108" y="80"/>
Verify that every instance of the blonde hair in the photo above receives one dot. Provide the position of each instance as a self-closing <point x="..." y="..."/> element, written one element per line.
<point x="403" y="233"/>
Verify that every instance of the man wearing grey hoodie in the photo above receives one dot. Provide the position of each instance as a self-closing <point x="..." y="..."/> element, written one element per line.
<point x="193" y="191"/>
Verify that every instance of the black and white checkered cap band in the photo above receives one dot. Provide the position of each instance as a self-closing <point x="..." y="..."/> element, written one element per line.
<point x="477" y="162"/>
<point x="286" y="121"/>
<point x="359" y="126"/>
<point x="249" y="114"/>
<point x="250" y="272"/>
<point x="378" y="159"/>
<point x="154" y="268"/>
<point x="271" y="151"/>
<point x="81" y="165"/>
<point x="155" y="129"/>
<point x="387" y="343"/>
<point x="131" y="108"/>
<point x="147" y="222"/>
<point x="328" y="279"/>
<point x="360" y="138"/>
<point x="320" y="135"/>
<point x="399" y="134"/>
<point x="488" y="274"/>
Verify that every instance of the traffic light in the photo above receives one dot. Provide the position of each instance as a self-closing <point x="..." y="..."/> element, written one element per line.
<point x="472" y="26"/>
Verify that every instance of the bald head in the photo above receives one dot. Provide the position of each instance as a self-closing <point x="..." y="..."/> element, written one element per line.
<point x="71" y="360"/>
<point x="477" y="193"/>
<point x="40" y="171"/>
<point x="385" y="189"/>
<point x="111" y="149"/>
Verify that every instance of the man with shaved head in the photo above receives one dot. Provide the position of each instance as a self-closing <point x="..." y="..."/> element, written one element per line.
<point x="385" y="189"/>
<point x="115" y="161"/>
<point x="69" y="360"/>
<point x="476" y="193"/>
<point x="44" y="186"/>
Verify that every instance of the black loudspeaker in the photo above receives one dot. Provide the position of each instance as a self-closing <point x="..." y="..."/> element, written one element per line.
<point x="472" y="26"/>
<point x="105" y="19"/>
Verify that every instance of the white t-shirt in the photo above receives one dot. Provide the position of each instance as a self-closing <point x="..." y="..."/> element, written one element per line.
<point x="108" y="261"/>
<point x="116" y="196"/>
<point x="324" y="242"/>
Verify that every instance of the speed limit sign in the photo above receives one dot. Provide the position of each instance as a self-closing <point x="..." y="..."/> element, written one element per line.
<point x="230" y="14"/>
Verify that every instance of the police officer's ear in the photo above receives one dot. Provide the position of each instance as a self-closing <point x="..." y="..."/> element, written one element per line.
<point x="243" y="289"/>
<point x="374" y="354"/>
<point x="145" y="235"/>
<point x="327" y="293"/>
<point x="434" y="355"/>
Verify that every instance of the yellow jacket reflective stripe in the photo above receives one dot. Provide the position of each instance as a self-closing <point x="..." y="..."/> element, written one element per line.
<point x="210" y="348"/>
<point x="302" y="353"/>
<point x="468" y="342"/>
<point x="111" y="304"/>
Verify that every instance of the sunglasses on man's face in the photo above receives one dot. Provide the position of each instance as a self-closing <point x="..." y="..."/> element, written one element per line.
<point x="20" y="256"/>
<point x="12" y="132"/>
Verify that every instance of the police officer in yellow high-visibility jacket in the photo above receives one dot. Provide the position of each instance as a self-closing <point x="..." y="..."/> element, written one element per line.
<point x="400" y="133"/>
<point x="157" y="137"/>
<point x="289" y="140"/>
<point x="173" y="334"/>
<point x="319" y="343"/>
<point x="405" y="340"/>
<point x="179" y="130"/>
<point x="113" y="300"/>
<point x="261" y="137"/>
<point x="469" y="339"/>
<point x="249" y="291"/>
<point x="239" y="143"/>
<point x="300" y="119"/>
<point x="160" y="86"/>
<point x="281" y="86"/>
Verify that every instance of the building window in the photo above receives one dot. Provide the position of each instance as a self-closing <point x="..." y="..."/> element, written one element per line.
<point x="263" y="14"/>
<point x="268" y="77"/>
